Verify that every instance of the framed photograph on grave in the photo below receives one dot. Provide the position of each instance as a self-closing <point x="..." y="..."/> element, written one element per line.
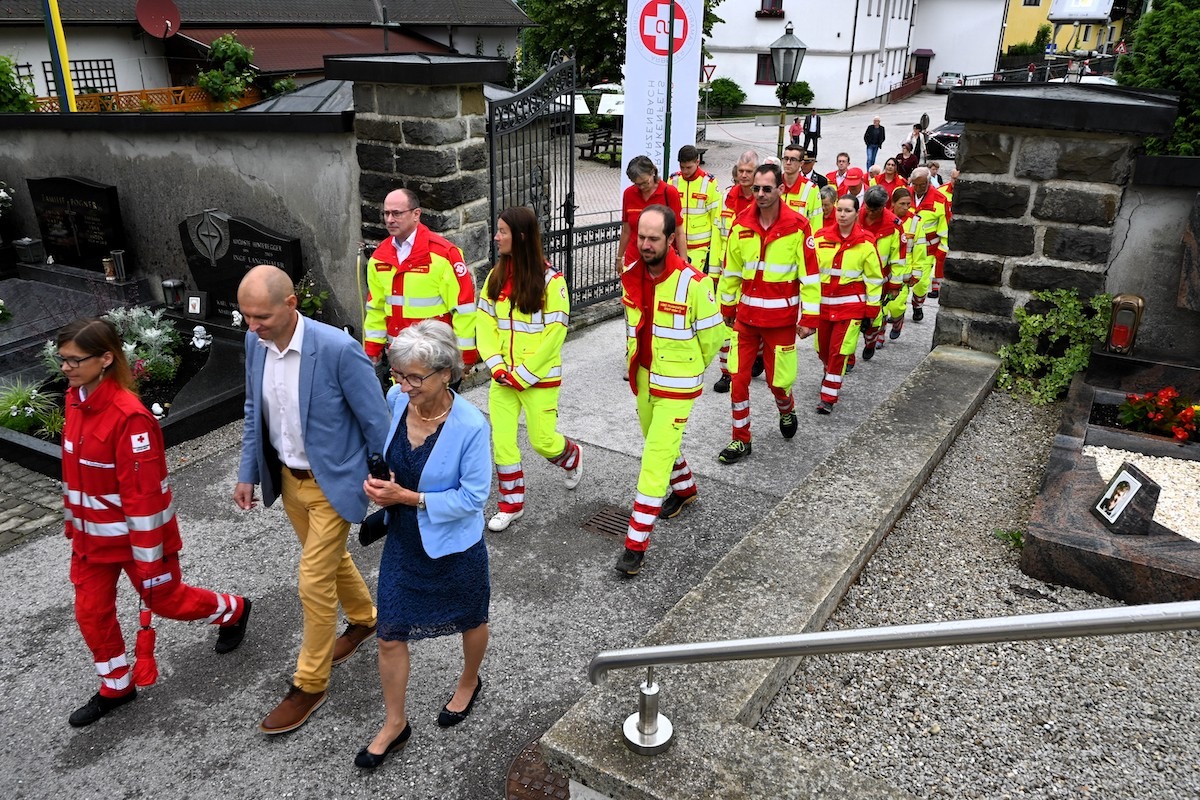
<point x="195" y="305"/>
<point x="1128" y="501"/>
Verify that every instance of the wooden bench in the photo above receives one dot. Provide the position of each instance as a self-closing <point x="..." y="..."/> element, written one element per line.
<point x="599" y="143"/>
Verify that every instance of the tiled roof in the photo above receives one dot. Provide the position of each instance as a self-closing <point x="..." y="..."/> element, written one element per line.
<point x="281" y="12"/>
<point x="282" y="50"/>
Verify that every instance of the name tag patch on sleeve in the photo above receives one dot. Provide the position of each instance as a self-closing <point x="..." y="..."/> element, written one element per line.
<point x="140" y="442"/>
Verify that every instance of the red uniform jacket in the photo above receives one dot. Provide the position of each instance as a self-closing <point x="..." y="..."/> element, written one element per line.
<point x="117" y="499"/>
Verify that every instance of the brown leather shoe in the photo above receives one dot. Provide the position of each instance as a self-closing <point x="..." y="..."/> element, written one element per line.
<point x="293" y="711"/>
<point x="347" y="644"/>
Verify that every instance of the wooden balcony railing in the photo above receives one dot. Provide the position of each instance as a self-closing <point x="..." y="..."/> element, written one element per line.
<point x="171" y="98"/>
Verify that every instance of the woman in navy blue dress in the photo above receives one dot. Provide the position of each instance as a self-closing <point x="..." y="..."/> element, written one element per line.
<point x="433" y="577"/>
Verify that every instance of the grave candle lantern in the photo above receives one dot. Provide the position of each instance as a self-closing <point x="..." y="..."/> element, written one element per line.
<point x="173" y="293"/>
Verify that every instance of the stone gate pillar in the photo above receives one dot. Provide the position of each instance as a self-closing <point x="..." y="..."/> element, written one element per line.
<point x="1043" y="173"/>
<point x="420" y="123"/>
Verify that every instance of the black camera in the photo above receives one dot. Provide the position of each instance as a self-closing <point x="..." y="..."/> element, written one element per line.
<point x="378" y="467"/>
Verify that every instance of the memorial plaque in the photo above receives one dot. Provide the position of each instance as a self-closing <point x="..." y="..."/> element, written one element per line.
<point x="220" y="249"/>
<point x="1128" y="502"/>
<point x="79" y="220"/>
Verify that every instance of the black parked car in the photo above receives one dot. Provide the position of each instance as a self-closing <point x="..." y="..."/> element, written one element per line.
<point x="942" y="141"/>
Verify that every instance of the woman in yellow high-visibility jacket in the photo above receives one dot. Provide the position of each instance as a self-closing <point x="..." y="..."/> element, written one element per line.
<point x="850" y="289"/>
<point x="524" y="309"/>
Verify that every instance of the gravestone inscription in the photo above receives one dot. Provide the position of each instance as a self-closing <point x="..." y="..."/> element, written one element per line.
<point x="79" y="220"/>
<point x="221" y="248"/>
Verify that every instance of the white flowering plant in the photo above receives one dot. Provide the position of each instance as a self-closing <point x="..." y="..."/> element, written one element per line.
<point x="25" y="408"/>
<point x="151" y="342"/>
<point x="5" y="199"/>
<point x="5" y="314"/>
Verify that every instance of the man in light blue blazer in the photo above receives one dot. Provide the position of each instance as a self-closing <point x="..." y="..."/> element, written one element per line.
<point x="314" y="411"/>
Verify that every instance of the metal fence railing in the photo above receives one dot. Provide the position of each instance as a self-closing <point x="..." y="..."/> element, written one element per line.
<point x="649" y="732"/>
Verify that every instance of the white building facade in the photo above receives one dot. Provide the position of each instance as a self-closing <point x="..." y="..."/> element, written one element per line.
<point x="963" y="35"/>
<point x="858" y="50"/>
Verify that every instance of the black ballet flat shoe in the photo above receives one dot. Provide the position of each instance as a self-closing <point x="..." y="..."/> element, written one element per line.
<point x="368" y="760"/>
<point x="448" y="718"/>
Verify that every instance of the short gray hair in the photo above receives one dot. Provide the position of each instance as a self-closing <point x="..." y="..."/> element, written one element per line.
<point x="828" y="193"/>
<point x="918" y="174"/>
<point x="876" y="197"/>
<point x="430" y="342"/>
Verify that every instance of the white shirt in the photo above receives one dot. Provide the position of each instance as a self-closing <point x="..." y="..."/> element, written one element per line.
<point x="404" y="249"/>
<point x="281" y="398"/>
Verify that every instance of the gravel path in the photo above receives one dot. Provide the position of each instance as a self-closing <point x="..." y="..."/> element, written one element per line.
<point x="1113" y="717"/>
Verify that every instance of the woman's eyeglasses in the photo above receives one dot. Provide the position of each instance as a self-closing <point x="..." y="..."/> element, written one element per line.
<point x="414" y="381"/>
<point x="71" y="361"/>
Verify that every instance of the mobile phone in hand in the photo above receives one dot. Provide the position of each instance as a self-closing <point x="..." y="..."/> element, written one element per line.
<point x="378" y="467"/>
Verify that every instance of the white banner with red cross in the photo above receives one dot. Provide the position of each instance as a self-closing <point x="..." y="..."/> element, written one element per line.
<point x="647" y="39"/>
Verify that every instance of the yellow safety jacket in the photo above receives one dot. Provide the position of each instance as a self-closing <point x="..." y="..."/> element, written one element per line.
<point x="927" y="233"/>
<point x="891" y="243"/>
<point x="526" y="346"/>
<point x="765" y="269"/>
<point x="804" y="196"/>
<point x="851" y="283"/>
<point x="701" y="200"/>
<point x="432" y="283"/>
<point x="735" y="203"/>
<point x="673" y="327"/>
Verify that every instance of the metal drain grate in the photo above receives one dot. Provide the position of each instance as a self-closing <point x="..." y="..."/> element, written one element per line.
<point x="530" y="779"/>
<point x="608" y="521"/>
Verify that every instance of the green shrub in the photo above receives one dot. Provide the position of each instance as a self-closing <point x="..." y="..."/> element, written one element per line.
<point x="1053" y="346"/>
<point x="724" y="94"/>
<point x="1160" y="57"/>
<point x="24" y="406"/>
<point x="14" y="93"/>
<point x="799" y="94"/>
<point x="231" y="76"/>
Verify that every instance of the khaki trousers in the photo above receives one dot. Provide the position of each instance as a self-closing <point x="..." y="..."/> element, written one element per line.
<point x="327" y="576"/>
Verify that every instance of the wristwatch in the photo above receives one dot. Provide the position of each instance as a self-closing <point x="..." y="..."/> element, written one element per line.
<point x="421" y="501"/>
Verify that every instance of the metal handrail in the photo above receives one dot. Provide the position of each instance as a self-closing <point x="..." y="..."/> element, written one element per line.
<point x="1057" y="625"/>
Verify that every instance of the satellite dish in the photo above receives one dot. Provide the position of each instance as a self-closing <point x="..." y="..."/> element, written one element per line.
<point x="924" y="118"/>
<point x="159" y="18"/>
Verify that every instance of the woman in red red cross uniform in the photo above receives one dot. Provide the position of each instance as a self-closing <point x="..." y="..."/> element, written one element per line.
<point x="119" y="515"/>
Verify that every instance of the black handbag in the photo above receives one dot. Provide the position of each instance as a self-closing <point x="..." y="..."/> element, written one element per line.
<point x="373" y="528"/>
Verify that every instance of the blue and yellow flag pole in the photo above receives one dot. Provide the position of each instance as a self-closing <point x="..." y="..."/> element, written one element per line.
<point x="58" y="56"/>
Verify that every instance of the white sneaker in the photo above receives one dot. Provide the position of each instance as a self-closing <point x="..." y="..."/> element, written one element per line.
<point x="503" y="519"/>
<point x="573" y="475"/>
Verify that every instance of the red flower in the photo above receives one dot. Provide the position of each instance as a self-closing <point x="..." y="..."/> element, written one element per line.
<point x="1167" y="393"/>
<point x="1180" y="434"/>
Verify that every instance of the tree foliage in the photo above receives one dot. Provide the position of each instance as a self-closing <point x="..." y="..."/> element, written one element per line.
<point x="800" y="94"/>
<point x="14" y="95"/>
<point x="1035" y="48"/>
<point x="231" y="75"/>
<point x="594" y="28"/>
<point x="1162" y="57"/>
<point x="724" y="94"/>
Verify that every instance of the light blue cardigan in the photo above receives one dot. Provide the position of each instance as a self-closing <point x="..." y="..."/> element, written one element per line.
<point x="456" y="480"/>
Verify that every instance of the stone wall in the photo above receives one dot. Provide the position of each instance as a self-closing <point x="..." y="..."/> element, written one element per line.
<point x="429" y="139"/>
<point x="1044" y="201"/>
<point x="1033" y="209"/>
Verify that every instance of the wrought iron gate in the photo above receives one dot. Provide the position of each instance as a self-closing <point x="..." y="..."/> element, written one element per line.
<point x="531" y="138"/>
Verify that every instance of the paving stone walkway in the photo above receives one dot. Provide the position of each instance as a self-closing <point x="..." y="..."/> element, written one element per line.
<point x="29" y="504"/>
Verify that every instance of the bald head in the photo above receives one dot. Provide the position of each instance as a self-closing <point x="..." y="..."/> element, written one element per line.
<point x="267" y="301"/>
<point x="267" y="282"/>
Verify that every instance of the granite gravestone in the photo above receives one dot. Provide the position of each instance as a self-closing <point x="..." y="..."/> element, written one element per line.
<point x="79" y="220"/>
<point x="220" y="249"/>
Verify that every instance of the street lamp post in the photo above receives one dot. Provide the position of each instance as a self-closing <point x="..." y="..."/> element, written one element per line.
<point x="786" y="54"/>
